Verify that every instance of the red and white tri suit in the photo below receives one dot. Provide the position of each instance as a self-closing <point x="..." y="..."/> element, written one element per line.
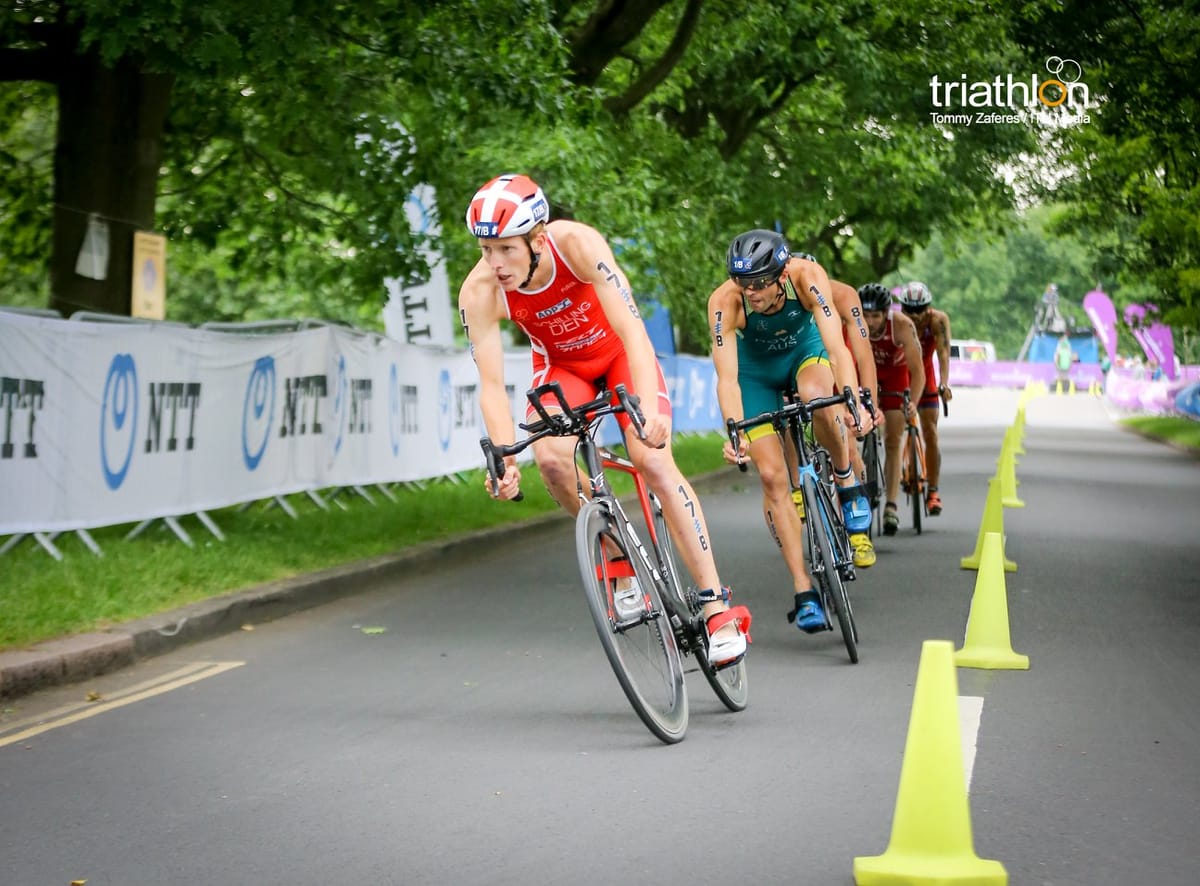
<point x="572" y="341"/>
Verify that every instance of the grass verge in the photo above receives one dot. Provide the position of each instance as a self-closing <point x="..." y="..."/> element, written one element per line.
<point x="1181" y="432"/>
<point x="41" y="598"/>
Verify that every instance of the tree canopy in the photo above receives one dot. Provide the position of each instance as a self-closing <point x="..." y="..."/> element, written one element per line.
<point x="275" y="144"/>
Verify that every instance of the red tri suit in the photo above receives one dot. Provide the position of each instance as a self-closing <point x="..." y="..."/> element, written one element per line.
<point x="572" y="341"/>
<point x="929" y="397"/>
<point x="891" y="367"/>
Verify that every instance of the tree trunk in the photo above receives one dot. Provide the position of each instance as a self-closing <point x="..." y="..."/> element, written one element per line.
<point x="106" y="160"/>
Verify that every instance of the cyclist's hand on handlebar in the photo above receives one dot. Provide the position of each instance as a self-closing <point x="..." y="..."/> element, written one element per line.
<point x="735" y="457"/>
<point x="867" y="421"/>
<point x="657" y="430"/>
<point x="859" y="430"/>
<point x="946" y="393"/>
<point x="509" y="486"/>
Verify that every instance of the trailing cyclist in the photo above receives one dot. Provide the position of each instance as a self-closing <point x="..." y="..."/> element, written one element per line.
<point x="933" y="331"/>
<point x="559" y="282"/>
<point x="898" y="365"/>
<point x="854" y="332"/>
<point x="774" y="331"/>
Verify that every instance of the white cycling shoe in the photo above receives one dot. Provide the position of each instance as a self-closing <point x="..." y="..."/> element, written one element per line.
<point x="726" y="647"/>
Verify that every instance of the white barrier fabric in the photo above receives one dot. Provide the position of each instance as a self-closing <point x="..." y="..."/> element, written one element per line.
<point x="108" y="423"/>
<point x="105" y="423"/>
<point x="113" y="423"/>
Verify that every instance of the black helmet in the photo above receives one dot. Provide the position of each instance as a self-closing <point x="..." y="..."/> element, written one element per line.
<point x="874" y="297"/>
<point x="757" y="257"/>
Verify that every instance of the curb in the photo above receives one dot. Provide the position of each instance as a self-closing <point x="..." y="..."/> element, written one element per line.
<point x="82" y="656"/>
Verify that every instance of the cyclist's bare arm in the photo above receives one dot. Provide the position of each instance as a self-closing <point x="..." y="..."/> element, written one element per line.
<point x="480" y="312"/>
<point x="590" y="256"/>
<point x="845" y="297"/>
<point x="816" y="295"/>
<point x="941" y="342"/>
<point x="906" y="337"/>
<point x="725" y="317"/>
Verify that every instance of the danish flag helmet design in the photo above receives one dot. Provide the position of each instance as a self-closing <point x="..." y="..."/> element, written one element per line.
<point x="915" y="295"/>
<point x="507" y="206"/>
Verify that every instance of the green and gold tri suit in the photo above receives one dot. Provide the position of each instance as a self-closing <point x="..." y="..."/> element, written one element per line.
<point x="772" y="349"/>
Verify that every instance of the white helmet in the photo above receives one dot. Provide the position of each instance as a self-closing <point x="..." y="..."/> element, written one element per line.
<point x="915" y="295"/>
<point x="507" y="206"/>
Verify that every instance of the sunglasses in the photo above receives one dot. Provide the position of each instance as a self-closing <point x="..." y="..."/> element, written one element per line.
<point x="911" y="309"/>
<point x="755" y="284"/>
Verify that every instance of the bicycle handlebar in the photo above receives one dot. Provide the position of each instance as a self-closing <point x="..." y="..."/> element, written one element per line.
<point x="865" y="397"/>
<point x="570" y="422"/>
<point x="796" y="409"/>
<point x="906" y="394"/>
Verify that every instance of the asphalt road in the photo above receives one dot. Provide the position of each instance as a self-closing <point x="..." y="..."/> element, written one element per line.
<point x="462" y="726"/>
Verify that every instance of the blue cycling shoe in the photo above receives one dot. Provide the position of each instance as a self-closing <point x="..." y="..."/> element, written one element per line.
<point x="807" y="613"/>
<point x="856" y="510"/>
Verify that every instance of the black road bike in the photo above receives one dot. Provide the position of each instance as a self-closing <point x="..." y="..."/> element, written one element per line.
<point x="647" y="653"/>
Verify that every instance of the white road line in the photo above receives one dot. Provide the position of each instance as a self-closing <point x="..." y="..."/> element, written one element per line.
<point x="970" y="712"/>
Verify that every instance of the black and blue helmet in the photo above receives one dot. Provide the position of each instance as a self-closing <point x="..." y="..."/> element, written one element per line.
<point x="874" y="297"/>
<point x="757" y="257"/>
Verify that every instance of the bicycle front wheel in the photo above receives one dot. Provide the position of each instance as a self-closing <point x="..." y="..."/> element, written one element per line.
<point x="644" y="656"/>
<point x="729" y="684"/>
<point x="917" y="498"/>
<point x="874" y="465"/>
<point x="827" y="574"/>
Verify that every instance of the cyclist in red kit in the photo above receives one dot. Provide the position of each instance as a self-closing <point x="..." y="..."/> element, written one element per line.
<point x="933" y="330"/>
<point x="899" y="366"/>
<point x="558" y="281"/>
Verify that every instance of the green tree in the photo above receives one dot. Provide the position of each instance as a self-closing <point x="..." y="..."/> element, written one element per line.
<point x="281" y="135"/>
<point x="292" y="132"/>
<point x="1136" y="166"/>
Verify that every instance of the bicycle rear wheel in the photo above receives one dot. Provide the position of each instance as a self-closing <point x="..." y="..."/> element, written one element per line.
<point x="729" y="684"/>
<point x="825" y="571"/>
<point x="644" y="656"/>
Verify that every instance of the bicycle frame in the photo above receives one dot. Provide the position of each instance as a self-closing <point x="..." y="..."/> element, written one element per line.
<point x="827" y="544"/>
<point x="603" y="525"/>
<point x="912" y="460"/>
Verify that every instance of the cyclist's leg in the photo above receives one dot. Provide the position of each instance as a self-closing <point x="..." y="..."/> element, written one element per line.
<point x="893" y="460"/>
<point x="779" y="511"/>
<point x="685" y="521"/>
<point x="928" y="411"/>
<point x="555" y="456"/>
<point x="815" y="379"/>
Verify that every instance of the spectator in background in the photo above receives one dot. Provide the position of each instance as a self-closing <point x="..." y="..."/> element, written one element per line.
<point x="1062" y="360"/>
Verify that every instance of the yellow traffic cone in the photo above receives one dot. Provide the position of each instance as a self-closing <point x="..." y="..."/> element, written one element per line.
<point x="931" y="842"/>
<point x="1007" y="473"/>
<point x="987" y="644"/>
<point x="993" y="521"/>
<point x="1013" y="437"/>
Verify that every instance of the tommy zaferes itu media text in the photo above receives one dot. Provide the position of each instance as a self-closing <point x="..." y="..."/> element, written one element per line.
<point x="1060" y="99"/>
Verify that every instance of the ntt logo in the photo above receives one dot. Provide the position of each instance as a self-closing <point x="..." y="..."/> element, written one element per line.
<point x="1062" y="97"/>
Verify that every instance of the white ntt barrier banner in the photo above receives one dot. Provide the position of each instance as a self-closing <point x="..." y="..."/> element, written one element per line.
<point x="103" y="423"/>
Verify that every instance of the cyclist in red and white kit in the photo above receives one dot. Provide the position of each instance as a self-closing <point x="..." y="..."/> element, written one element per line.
<point x="898" y="365"/>
<point x="933" y="331"/>
<point x="558" y="281"/>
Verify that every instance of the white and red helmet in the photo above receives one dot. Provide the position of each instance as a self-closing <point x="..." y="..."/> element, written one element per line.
<point x="507" y="206"/>
<point x="915" y="295"/>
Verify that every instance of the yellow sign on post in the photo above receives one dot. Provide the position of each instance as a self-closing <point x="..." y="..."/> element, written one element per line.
<point x="149" y="286"/>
